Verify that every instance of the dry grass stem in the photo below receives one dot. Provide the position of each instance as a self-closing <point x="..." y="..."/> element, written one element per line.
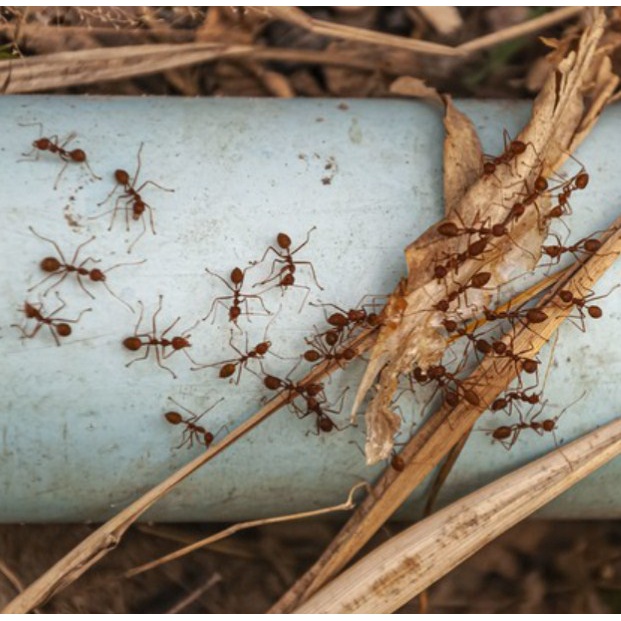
<point x="350" y="33"/>
<point x="107" y="537"/>
<point x="391" y="575"/>
<point x="231" y="530"/>
<point x="520" y="30"/>
<point x="443" y="430"/>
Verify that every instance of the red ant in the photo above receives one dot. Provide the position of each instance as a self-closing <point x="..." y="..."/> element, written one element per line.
<point x="347" y="320"/>
<point x="320" y="352"/>
<point x="284" y="257"/>
<point x="585" y="245"/>
<point x="306" y="391"/>
<point x="237" y="279"/>
<point x="540" y="187"/>
<point x="134" y="201"/>
<point x="62" y="268"/>
<point x="513" y="148"/>
<point x="192" y="430"/>
<point x="581" y="303"/>
<point x="57" y="326"/>
<point x="507" y="435"/>
<point x="323" y="422"/>
<point x="506" y="401"/>
<point x="439" y="374"/>
<point x="150" y="339"/>
<point x="51" y="144"/>
<point x="229" y="367"/>
<point x="525" y="317"/>
<point x="478" y="281"/>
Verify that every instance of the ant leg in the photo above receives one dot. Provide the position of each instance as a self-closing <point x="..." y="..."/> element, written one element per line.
<point x="170" y="327"/>
<point x="147" y="348"/>
<point x="258" y="296"/>
<point x="158" y="359"/>
<point x="273" y="275"/>
<point x="213" y="305"/>
<point x="155" y="314"/>
<point x="90" y="170"/>
<point x="114" y="295"/>
<point x="144" y="230"/>
<point x="157" y="185"/>
<point x="60" y="174"/>
<point x="57" y="248"/>
<point x="25" y="334"/>
<point x="304" y="242"/>
<point x="312" y="270"/>
<point x="138" y="164"/>
<point x="223" y="281"/>
<point x="265" y="255"/>
<point x="150" y="209"/>
<point x="108" y="196"/>
<point x="86" y="310"/>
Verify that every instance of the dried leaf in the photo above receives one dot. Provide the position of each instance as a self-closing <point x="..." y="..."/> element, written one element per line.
<point x="410" y="335"/>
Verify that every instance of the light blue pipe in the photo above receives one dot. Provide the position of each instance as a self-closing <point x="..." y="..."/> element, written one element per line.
<point x="82" y="435"/>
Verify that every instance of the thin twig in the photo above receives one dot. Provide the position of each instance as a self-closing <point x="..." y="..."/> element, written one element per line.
<point x="231" y="530"/>
<point x="520" y="30"/>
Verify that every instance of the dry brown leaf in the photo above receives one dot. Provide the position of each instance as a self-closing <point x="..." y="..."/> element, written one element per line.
<point x="411" y="336"/>
<point x="445" y="19"/>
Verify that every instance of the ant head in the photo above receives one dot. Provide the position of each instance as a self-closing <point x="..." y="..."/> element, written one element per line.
<point x="397" y="463"/>
<point x="42" y="144"/>
<point x="331" y="337"/>
<point x="30" y="311"/>
<point x="237" y="276"/>
<point x="499" y="347"/>
<point x="227" y="370"/>
<point x="548" y="424"/>
<point x="63" y="329"/>
<point x="133" y="343"/>
<point x="284" y="241"/>
<point x="489" y="168"/>
<point x="179" y="342"/>
<point x="96" y="275"/>
<point x="541" y="184"/>
<point x="272" y="383"/>
<point x="517" y="147"/>
<point x="530" y="366"/>
<point x="582" y="180"/>
<point x="262" y="348"/>
<point x="338" y="320"/>
<point x="348" y="354"/>
<point x="77" y="155"/>
<point x="312" y="355"/>
<point x="174" y="418"/>
<point x="518" y="210"/>
<point x="552" y="251"/>
<point x="208" y="438"/>
<point x="499" y="230"/>
<point x="50" y="264"/>
<point x="440" y="272"/>
<point x="121" y="176"/>
<point x="566" y="296"/>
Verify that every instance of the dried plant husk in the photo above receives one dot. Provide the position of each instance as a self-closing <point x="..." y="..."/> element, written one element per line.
<point x="569" y="104"/>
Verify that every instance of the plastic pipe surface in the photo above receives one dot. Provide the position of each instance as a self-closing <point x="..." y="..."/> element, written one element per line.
<point x="82" y="434"/>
